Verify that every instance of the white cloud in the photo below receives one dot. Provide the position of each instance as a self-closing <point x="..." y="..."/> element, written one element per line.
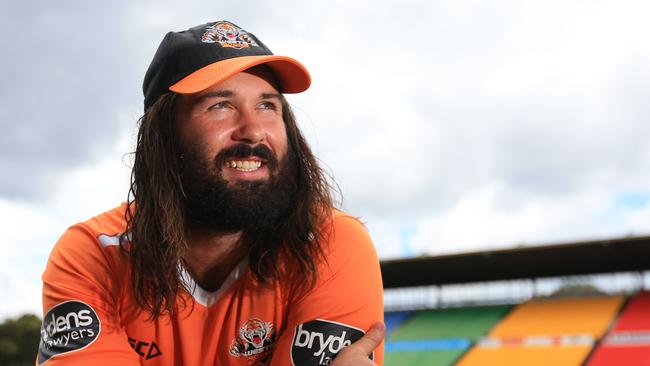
<point x="30" y="230"/>
<point x="482" y="220"/>
<point x="25" y="229"/>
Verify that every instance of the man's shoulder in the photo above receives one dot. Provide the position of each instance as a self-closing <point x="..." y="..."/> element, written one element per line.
<point x="89" y="250"/>
<point x="340" y="220"/>
<point x="109" y="222"/>
<point x="346" y="233"/>
<point x="350" y="262"/>
<point x="101" y="231"/>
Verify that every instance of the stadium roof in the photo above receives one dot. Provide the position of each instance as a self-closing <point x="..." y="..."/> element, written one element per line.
<point x="577" y="258"/>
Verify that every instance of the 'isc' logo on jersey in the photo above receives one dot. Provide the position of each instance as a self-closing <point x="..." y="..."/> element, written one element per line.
<point x="317" y="342"/>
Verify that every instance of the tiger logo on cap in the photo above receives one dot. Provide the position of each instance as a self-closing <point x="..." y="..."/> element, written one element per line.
<point x="228" y="35"/>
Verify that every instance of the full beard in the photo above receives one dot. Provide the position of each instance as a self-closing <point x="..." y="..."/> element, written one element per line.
<point x="249" y="206"/>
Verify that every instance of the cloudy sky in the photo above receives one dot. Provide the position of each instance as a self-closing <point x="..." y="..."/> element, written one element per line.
<point x="449" y="125"/>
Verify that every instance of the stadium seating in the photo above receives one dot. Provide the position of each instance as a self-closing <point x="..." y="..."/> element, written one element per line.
<point x="423" y="358"/>
<point x="555" y="331"/>
<point x="558" y="332"/>
<point x="628" y="342"/>
<point x="528" y="356"/>
<point x="394" y="319"/>
<point x="590" y="315"/>
<point x="437" y="337"/>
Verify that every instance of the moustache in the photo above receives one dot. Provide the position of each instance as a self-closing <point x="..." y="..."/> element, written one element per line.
<point x="243" y="151"/>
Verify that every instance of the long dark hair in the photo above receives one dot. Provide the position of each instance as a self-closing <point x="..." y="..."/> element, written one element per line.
<point x="154" y="239"/>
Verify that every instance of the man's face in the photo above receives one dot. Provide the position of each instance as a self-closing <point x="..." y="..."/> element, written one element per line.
<point x="244" y="109"/>
<point x="235" y="168"/>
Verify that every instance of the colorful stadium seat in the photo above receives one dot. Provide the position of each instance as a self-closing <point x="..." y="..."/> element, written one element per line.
<point x="394" y="319"/>
<point x="628" y="343"/>
<point x="558" y="332"/>
<point x="438" y="337"/>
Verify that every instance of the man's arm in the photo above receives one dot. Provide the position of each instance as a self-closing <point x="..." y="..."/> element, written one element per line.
<point x="345" y="302"/>
<point x="81" y="321"/>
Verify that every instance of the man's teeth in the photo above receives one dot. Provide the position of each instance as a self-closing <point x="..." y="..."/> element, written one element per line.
<point x="245" y="165"/>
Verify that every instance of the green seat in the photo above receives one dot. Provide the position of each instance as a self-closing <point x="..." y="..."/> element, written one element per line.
<point x="423" y="358"/>
<point x="471" y="323"/>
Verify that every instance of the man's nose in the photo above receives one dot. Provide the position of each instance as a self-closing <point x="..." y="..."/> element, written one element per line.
<point x="250" y="129"/>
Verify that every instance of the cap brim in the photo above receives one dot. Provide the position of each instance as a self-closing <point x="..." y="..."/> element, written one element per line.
<point x="292" y="76"/>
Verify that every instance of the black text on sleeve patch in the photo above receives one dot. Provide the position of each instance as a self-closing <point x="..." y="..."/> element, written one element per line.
<point x="317" y="342"/>
<point x="68" y="326"/>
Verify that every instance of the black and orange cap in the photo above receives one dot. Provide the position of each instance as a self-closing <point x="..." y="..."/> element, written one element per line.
<point x="192" y="60"/>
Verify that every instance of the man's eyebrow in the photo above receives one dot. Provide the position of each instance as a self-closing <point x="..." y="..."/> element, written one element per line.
<point x="270" y="96"/>
<point x="214" y="94"/>
<point x="229" y="93"/>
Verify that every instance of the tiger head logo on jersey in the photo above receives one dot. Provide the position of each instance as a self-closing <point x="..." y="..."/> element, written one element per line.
<point x="228" y="35"/>
<point x="255" y="339"/>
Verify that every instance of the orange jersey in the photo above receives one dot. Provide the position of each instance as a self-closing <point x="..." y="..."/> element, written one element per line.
<point x="90" y="316"/>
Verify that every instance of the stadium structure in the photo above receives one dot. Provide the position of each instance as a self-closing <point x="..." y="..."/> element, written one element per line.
<point x="581" y="303"/>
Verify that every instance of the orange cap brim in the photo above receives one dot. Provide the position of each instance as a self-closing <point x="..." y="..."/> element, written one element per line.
<point x="292" y="76"/>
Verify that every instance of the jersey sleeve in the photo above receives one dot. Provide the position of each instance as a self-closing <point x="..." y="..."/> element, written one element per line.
<point x="81" y="290"/>
<point x="346" y="300"/>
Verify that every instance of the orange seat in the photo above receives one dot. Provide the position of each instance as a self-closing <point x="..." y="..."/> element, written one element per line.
<point x="554" y="317"/>
<point x="525" y="355"/>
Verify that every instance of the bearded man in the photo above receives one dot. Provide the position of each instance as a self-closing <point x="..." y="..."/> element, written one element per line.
<point x="229" y="250"/>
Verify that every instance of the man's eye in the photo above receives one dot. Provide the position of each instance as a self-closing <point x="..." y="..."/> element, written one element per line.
<point x="220" y="105"/>
<point x="268" y="105"/>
